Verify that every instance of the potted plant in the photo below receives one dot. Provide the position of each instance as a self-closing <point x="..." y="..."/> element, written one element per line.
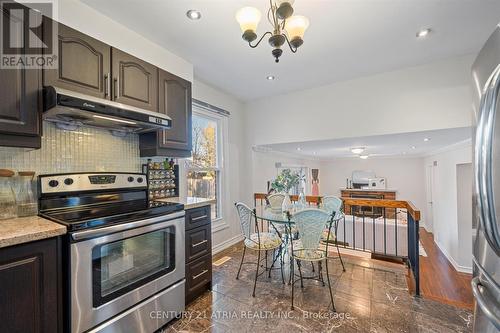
<point x="283" y="183"/>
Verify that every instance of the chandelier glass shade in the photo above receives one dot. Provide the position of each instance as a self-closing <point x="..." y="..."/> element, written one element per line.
<point x="286" y="27"/>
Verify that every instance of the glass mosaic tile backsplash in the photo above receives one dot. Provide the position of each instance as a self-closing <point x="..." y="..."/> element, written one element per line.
<point x="84" y="150"/>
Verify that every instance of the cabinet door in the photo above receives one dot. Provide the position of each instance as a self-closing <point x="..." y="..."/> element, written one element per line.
<point x="135" y="82"/>
<point x="21" y="100"/>
<point x="175" y="101"/>
<point x="83" y="64"/>
<point x="30" y="291"/>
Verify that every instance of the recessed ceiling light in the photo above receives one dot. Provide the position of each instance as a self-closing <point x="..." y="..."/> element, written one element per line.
<point x="413" y="147"/>
<point x="299" y="149"/>
<point x="357" y="150"/>
<point x="363" y="157"/>
<point x="426" y="139"/>
<point x="404" y="153"/>
<point x="423" y="33"/>
<point x="270" y="77"/>
<point x="193" y="14"/>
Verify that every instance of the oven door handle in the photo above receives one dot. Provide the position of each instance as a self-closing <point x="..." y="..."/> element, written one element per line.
<point x="87" y="234"/>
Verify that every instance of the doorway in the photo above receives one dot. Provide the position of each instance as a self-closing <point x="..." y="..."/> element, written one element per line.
<point x="429" y="188"/>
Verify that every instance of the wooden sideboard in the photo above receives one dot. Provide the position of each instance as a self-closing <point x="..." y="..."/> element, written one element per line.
<point x="368" y="194"/>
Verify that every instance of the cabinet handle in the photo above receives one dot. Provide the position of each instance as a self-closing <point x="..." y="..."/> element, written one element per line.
<point x="116" y="88"/>
<point x="199" y="243"/>
<point x="194" y="219"/>
<point x="107" y="84"/>
<point x="198" y="275"/>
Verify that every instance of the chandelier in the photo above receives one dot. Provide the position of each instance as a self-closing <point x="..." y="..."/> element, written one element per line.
<point x="286" y="27"/>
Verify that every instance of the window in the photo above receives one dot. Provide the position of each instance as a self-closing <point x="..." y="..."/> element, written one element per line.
<point x="204" y="168"/>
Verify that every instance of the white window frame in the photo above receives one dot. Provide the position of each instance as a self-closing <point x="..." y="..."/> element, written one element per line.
<point x="222" y="144"/>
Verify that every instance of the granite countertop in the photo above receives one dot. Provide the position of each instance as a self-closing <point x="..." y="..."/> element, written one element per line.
<point x="27" y="229"/>
<point x="370" y="189"/>
<point x="190" y="202"/>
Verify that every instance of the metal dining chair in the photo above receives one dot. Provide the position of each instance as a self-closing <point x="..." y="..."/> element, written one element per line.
<point x="310" y="224"/>
<point x="256" y="240"/>
<point x="333" y="205"/>
<point x="276" y="200"/>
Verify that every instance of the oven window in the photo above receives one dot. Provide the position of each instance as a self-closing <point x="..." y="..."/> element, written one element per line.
<point x="124" y="265"/>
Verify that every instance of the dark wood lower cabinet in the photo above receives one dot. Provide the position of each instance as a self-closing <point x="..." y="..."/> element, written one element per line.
<point x="30" y="287"/>
<point x="198" y="252"/>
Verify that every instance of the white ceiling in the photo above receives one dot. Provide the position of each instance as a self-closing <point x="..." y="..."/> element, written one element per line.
<point x="392" y="145"/>
<point x="346" y="38"/>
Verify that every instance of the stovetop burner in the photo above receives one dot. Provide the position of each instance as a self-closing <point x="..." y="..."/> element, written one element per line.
<point x="83" y="201"/>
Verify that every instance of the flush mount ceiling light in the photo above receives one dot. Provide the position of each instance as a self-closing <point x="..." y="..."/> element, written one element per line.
<point x="286" y="27"/>
<point x="363" y="157"/>
<point x="270" y="77"/>
<point x="357" y="150"/>
<point x="423" y="33"/>
<point x="193" y="14"/>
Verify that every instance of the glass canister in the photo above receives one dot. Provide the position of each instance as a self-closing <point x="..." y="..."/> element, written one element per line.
<point x="26" y="203"/>
<point x="7" y="197"/>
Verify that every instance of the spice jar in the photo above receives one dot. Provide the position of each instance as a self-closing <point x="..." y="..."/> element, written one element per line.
<point x="26" y="203"/>
<point x="7" y="198"/>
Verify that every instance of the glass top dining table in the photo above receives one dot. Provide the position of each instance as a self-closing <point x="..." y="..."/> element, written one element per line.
<point x="279" y="217"/>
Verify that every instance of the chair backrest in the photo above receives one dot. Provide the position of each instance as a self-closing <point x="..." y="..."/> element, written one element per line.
<point x="310" y="224"/>
<point x="276" y="200"/>
<point x="246" y="216"/>
<point x="332" y="204"/>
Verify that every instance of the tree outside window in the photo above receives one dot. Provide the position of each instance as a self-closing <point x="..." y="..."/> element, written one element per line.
<point x="203" y="174"/>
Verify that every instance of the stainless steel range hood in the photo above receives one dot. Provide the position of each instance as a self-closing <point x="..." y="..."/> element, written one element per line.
<point x="70" y="110"/>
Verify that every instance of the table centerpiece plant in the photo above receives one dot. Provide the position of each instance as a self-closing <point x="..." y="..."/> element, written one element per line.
<point x="284" y="182"/>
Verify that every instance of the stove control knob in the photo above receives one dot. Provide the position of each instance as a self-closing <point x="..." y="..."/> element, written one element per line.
<point x="140" y="180"/>
<point x="130" y="179"/>
<point x="53" y="183"/>
<point x="68" y="181"/>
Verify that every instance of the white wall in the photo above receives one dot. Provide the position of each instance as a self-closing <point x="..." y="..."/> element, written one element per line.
<point x="81" y="17"/>
<point x="234" y="163"/>
<point x="428" y="97"/>
<point x="464" y="213"/>
<point x="405" y="175"/>
<point x="264" y="168"/>
<point x="445" y="206"/>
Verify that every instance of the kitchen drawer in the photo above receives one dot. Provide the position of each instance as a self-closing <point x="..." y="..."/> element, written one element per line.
<point x="197" y="217"/>
<point x="198" y="277"/>
<point x="198" y="242"/>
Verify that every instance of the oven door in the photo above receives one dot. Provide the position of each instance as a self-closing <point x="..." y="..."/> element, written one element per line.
<point x="114" y="268"/>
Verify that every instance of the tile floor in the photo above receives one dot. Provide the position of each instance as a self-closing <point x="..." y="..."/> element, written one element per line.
<point x="370" y="296"/>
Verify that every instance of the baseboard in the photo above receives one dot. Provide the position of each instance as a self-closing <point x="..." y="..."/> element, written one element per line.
<point x="227" y="243"/>
<point x="458" y="268"/>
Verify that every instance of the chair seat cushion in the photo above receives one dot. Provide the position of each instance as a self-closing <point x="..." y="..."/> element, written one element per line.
<point x="268" y="241"/>
<point x="309" y="254"/>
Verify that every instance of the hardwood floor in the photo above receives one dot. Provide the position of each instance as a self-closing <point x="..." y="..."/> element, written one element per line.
<point x="438" y="278"/>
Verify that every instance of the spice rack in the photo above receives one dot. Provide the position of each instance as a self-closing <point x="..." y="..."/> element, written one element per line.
<point x="163" y="179"/>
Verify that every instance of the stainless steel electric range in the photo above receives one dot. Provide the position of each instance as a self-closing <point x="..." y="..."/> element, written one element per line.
<point x="124" y="255"/>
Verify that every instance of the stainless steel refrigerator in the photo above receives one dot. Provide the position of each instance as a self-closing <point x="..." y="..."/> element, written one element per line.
<point x="486" y="217"/>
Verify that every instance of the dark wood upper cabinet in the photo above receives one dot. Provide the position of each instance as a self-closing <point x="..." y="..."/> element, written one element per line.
<point x="31" y="292"/>
<point x="83" y="64"/>
<point x="21" y="99"/>
<point x="135" y="82"/>
<point x="175" y="102"/>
